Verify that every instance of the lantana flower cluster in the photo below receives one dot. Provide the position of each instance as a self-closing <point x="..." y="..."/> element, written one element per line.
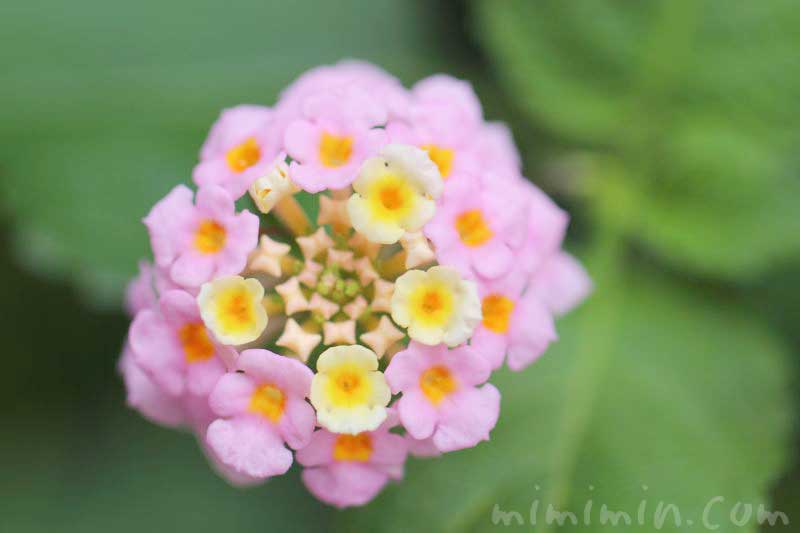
<point x="348" y="339"/>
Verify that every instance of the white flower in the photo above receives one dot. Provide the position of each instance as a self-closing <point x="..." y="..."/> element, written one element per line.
<point x="231" y="307"/>
<point x="436" y="306"/>
<point x="395" y="192"/>
<point x="349" y="393"/>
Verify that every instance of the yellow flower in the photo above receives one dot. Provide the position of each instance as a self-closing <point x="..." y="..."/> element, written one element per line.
<point x="349" y="393"/>
<point x="231" y="307"/>
<point x="436" y="306"/>
<point x="395" y="192"/>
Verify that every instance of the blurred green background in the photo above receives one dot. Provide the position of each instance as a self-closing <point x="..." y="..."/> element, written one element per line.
<point x="669" y="129"/>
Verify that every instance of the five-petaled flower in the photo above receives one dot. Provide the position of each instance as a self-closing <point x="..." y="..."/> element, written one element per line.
<point x="240" y="148"/>
<point x="441" y="399"/>
<point x="173" y="346"/>
<point x="479" y="226"/>
<point x="260" y="408"/>
<point x="513" y="323"/>
<point x="232" y="308"/>
<point x="197" y="243"/>
<point x="349" y="393"/>
<point x="332" y="139"/>
<point x="394" y="193"/>
<point x="436" y="306"/>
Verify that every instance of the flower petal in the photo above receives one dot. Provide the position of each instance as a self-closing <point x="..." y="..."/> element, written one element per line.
<point x="147" y="397"/>
<point x="202" y="376"/>
<point x="319" y="450"/>
<point x="297" y="423"/>
<point x="467" y="418"/>
<point x="561" y="283"/>
<point x="156" y="352"/>
<point x="417" y="414"/>
<point x="344" y="484"/>
<point x="232" y="394"/>
<point x="531" y="332"/>
<point x="249" y="446"/>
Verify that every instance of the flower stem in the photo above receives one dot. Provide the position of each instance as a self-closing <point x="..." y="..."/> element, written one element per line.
<point x="394" y="266"/>
<point x="291" y="214"/>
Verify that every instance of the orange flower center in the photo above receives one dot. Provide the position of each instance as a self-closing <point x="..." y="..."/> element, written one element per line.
<point x="437" y="383"/>
<point x="335" y="151"/>
<point x="443" y="157"/>
<point x="432" y="302"/>
<point x="353" y="447"/>
<point x="238" y="309"/>
<point x="392" y="198"/>
<point x="268" y="401"/>
<point x="196" y="343"/>
<point x="472" y="228"/>
<point x="244" y="156"/>
<point x="210" y="237"/>
<point x="348" y="381"/>
<point x="497" y="311"/>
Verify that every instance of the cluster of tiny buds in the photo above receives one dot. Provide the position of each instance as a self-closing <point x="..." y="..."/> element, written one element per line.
<point x="346" y="340"/>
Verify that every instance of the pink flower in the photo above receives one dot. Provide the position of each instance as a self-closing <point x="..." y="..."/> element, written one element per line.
<point x="240" y="147"/>
<point x="478" y="226"/>
<point x="445" y="118"/>
<point x="561" y="283"/>
<point x="335" y="136"/>
<point x="146" y="397"/>
<point x="366" y="77"/>
<point x="260" y="410"/>
<point x="546" y="227"/>
<point x="232" y="476"/>
<point x="140" y="292"/>
<point x="424" y="448"/>
<point x="440" y="395"/>
<point x="449" y="101"/>
<point x="172" y="345"/>
<point x="199" y="416"/>
<point x="143" y="290"/>
<point x="496" y="152"/>
<point x="196" y="243"/>
<point x="514" y="324"/>
<point x="346" y="470"/>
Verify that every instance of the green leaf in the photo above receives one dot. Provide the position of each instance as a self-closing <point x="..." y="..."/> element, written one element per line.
<point x="729" y="206"/>
<point x="694" y="98"/>
<point x="651" y="385"/>
<point x="111" y="105"/>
